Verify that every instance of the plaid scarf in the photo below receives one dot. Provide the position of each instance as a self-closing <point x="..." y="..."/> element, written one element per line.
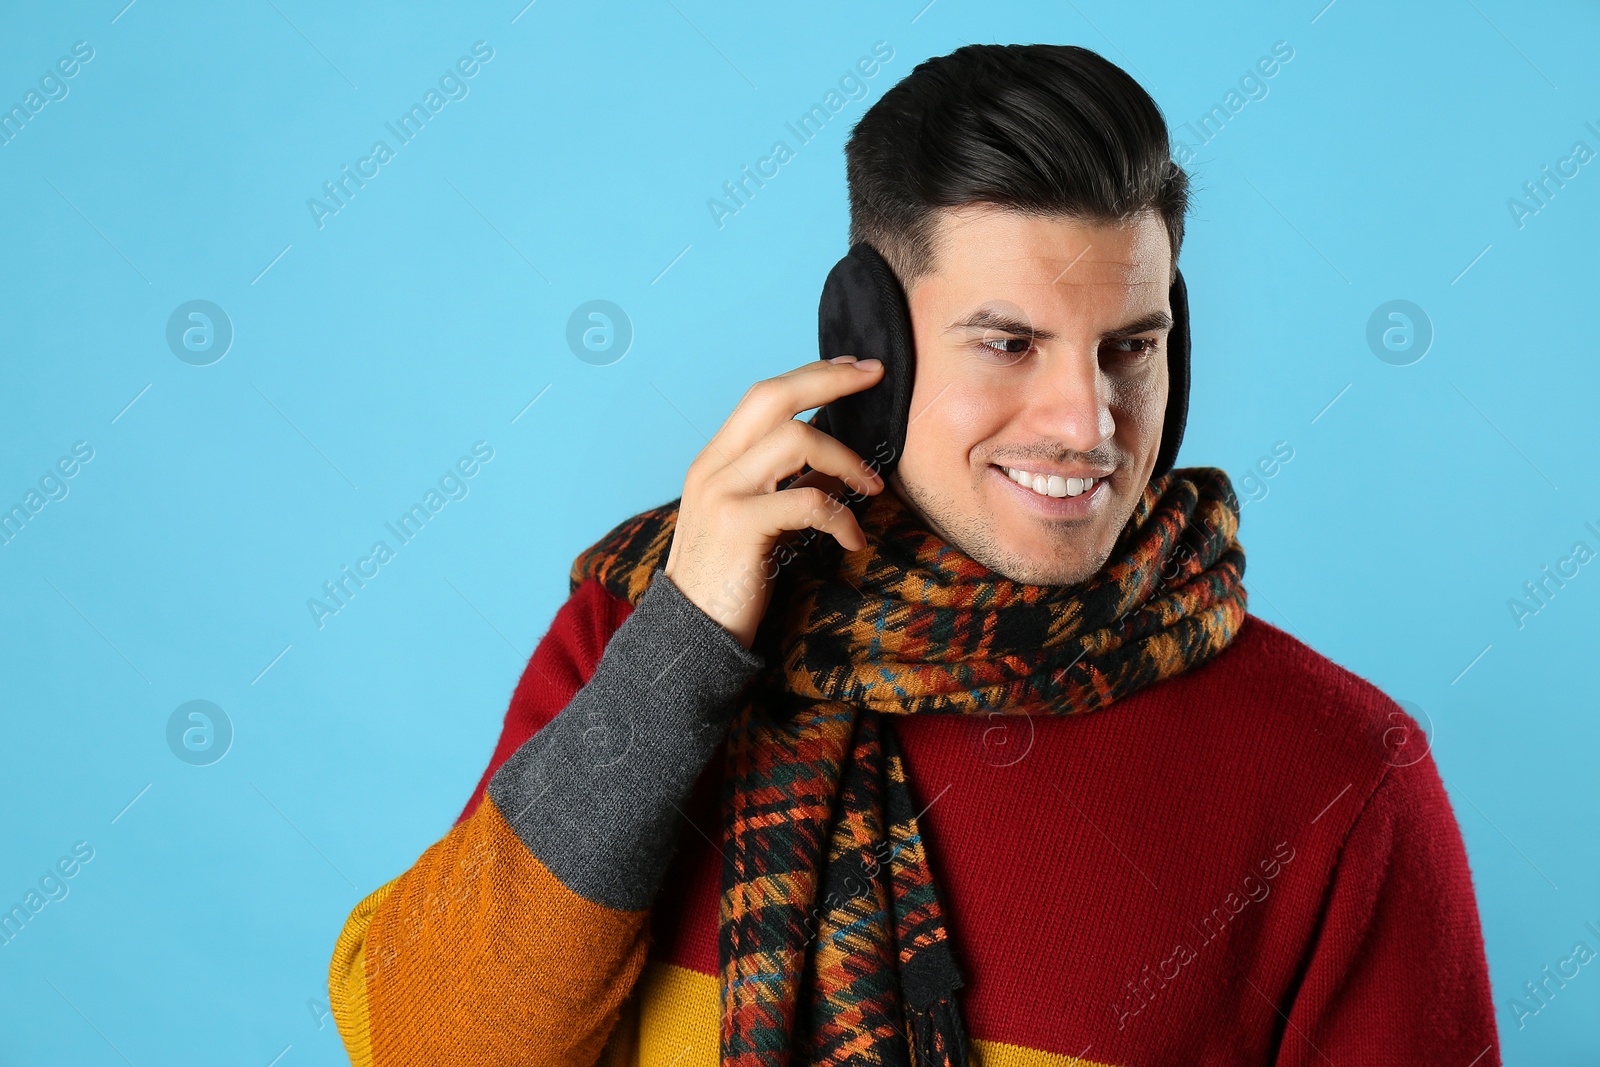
<point x="833" y="947"/>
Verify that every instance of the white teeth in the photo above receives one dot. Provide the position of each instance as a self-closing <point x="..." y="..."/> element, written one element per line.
<point x="1050" y="484"/>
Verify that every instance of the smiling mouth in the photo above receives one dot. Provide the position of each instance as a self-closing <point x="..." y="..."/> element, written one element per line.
<point x="1051" y="485"/>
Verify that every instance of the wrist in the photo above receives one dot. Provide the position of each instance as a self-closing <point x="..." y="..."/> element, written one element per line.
<point x="725" y="595"/>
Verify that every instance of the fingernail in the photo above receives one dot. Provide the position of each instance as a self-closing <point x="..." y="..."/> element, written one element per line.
<point x="868" y="364"/>
<point x="842" y="359"/>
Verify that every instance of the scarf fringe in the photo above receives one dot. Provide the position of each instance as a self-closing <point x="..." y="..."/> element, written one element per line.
<point x="938" y="1038"/>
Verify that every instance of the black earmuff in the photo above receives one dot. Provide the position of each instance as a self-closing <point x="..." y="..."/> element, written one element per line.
<point x="1177" y="377"/>
<point x="863" y="313"/>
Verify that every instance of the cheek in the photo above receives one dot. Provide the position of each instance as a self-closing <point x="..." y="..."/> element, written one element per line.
<point x="961" y="415"/>
<point x="1140" y="407"/>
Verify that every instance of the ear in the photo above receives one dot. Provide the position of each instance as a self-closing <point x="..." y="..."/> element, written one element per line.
<point x="864" y="313"/>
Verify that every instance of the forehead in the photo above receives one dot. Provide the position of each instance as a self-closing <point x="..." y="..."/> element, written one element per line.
<point x="983" y="246"/>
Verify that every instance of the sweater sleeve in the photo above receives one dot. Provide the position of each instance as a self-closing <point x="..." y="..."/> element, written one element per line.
<point x="1397" y="974"/>
<point x="517" y="937"/>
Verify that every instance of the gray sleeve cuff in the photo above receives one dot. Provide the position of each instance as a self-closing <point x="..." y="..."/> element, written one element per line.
<point x="596" y="794"/>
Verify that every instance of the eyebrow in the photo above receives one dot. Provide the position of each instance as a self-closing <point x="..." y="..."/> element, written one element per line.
<point x="989" y="319"/>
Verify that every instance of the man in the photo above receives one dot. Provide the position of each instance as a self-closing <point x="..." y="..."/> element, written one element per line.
<point x="995" y="766"/>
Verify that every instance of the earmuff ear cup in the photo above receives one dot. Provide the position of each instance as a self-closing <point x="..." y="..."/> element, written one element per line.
<point x="1177" y="378"/>
<point x="863" y="313"/>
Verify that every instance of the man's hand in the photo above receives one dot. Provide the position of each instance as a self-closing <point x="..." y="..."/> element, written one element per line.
<point x="732" y="514"/>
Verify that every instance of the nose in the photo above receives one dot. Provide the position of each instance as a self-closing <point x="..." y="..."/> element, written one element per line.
<point x="1069" y="400"/>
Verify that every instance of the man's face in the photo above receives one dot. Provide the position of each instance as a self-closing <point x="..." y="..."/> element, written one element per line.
<point x="1041" y="347"/>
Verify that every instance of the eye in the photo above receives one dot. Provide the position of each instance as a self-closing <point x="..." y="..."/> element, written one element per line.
<point x="1000" y="348"/>
<point x="1137" y="347"/>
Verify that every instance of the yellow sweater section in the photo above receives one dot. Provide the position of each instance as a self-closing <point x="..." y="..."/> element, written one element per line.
<point x="673" y="1020"/>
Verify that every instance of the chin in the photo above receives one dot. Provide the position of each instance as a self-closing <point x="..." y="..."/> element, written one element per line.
<point x="1032" y="564"/>
<point x="1014" y="542"/>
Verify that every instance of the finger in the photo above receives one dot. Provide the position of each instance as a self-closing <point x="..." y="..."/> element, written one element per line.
<point x="813" y="479"/>
<point x="768" y="403"/>
<point x="791" y="446"/>
<point x="810" y="508"/>
<point x="826" y="482"/>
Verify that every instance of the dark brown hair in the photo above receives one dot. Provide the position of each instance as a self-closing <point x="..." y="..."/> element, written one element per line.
<point x="1039" y="128"/>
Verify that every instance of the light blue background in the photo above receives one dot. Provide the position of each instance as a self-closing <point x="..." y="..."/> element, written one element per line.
<point x="425" y="316"/>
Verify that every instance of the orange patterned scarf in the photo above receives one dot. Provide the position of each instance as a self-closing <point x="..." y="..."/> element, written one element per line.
<point x="832" y="943"/>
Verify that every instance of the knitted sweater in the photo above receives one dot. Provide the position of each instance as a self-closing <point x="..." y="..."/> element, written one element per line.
<point x="1254" y="862"/>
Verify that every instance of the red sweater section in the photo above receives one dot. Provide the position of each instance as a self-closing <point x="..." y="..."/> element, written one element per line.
<point x="1254" y="862"/>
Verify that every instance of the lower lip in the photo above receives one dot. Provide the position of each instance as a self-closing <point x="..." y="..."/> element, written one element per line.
<point x="1058" y="507"/>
